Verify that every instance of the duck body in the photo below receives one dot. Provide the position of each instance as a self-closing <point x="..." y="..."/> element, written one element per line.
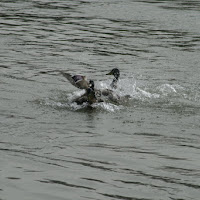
<point x="110" y="95"/>
<point x="81" y="100"/>
<point x="115" y="72"/>
<point x="89" y="96"/>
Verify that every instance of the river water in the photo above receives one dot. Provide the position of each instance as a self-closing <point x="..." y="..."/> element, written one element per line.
<point x="144" y="148"/>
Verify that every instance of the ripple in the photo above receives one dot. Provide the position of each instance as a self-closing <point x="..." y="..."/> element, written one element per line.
<point x="146" y="145"/>
<point x="65" y="184"/>
<point x="123" y="197"/>
<point x="13" y="178"/>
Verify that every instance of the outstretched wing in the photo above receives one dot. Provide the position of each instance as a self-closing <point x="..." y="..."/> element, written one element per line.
<point x="76" y="80"/>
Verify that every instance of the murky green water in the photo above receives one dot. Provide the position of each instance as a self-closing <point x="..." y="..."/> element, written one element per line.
<point x="143" y="148"/>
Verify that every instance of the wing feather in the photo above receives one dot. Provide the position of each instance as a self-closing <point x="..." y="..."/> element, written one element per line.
<point x="76" y="80"/>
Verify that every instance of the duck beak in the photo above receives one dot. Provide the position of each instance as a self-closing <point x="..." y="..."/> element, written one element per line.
<point x="110" y="73"/>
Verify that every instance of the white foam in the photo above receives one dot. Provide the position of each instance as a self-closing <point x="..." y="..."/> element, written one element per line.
<point x="107" y="106"/>
<point x="127" y="90"/>
<point x="167" y="89"/>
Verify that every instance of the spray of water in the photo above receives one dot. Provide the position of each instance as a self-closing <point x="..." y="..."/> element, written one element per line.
<point x="130" y="93"/>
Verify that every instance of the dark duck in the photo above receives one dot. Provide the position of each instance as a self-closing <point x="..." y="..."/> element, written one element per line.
<point x="89" y="96"/>
<point x="81" y="82"/>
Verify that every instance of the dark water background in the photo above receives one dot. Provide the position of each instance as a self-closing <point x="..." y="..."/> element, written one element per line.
<point x="147" y="148"/>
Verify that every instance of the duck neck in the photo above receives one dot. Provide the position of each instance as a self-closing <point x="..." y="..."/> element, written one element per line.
<point x="114" y="82"/>
<point x="91" y="96"/>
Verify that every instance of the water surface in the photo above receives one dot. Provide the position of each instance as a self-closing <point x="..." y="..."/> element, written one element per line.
<point x="143" y="148"/>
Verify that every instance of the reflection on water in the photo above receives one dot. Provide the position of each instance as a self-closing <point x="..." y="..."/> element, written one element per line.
<point x="146" y="146"/>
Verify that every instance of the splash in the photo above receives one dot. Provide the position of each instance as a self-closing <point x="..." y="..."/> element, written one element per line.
<point x="128" y="91"/>
<point x="131" y="94"/>
<point x="167" y="89"/>
<point x="107" y="106"/>
<point x="66" y="101"/>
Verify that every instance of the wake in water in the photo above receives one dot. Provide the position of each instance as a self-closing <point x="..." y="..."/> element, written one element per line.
<point x="69" y="104"/>
<point x="130" y="93"/>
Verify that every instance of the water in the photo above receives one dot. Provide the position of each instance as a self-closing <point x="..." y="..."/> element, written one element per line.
<point x="145" y="147"/>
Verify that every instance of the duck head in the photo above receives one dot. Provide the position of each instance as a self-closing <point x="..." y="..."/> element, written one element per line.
<point x="114" y="72"/>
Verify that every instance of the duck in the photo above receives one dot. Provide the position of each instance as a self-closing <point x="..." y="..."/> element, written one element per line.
<point x="81" y="82"/>
<point x="89" y="96"/>
<point x="109" y="93"/>
<point x="113" y="96"/>
<point x="115" y="72"/>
